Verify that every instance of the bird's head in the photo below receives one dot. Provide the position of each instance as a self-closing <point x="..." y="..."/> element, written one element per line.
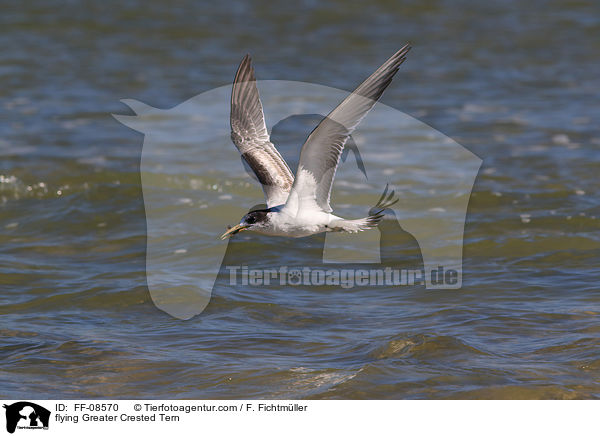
<point x="254" y="220"/>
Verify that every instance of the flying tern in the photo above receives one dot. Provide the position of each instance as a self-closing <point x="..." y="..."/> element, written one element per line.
<point x="300" y="207"/>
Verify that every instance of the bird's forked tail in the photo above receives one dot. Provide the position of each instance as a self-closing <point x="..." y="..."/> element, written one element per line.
<point x="376" y="214"/>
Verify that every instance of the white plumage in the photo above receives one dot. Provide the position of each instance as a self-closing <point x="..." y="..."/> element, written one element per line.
<point x="301" y="207"/>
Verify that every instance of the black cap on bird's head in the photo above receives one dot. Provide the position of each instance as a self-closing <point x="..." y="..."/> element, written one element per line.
<point x="251" y="221"/>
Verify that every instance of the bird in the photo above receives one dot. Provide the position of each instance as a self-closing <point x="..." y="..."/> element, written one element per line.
<point x="300" y="206"/>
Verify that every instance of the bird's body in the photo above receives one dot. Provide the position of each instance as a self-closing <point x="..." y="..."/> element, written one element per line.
<point x="278" y="222"/>
<point x="281" y="223"/>
<point x="300" y="207"/>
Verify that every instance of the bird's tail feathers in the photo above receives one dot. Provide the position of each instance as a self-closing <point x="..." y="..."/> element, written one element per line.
<point x="376" y="214"/>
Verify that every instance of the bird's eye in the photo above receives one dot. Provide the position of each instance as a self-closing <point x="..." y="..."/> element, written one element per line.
<point x="250" y="220"/>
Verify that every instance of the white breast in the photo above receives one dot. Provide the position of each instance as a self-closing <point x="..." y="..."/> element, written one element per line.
<point x="306" y="224"/>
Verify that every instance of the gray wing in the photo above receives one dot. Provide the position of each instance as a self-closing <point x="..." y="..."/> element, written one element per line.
<point x="249" y="134"/>
<point x="321" y="152"/>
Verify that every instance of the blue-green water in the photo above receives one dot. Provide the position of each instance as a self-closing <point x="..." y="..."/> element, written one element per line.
<point x="515" y="83"/>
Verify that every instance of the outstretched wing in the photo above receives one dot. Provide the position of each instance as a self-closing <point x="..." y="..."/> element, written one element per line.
<point x="250" y="136"/>
<point x="321" y="152"/>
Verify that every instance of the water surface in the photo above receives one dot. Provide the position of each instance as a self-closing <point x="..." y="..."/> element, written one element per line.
<point x="516" y="84"/>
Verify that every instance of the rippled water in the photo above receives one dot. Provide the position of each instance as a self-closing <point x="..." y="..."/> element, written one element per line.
<point x="516" y="84"/>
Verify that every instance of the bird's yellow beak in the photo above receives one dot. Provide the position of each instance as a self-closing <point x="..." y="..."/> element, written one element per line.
<point x="232" y="231"/>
